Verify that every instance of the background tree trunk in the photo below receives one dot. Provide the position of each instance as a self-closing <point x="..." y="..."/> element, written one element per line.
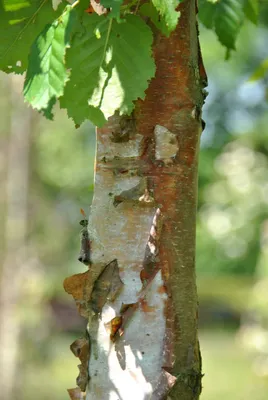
<point x="143" y="215"/>
<point x="14" y="268"/>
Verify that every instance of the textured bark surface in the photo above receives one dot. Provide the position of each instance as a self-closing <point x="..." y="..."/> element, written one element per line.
<point x="144" y="341"/>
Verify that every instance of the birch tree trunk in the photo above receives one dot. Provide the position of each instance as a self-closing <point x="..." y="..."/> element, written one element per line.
<point x="143" y="334"/>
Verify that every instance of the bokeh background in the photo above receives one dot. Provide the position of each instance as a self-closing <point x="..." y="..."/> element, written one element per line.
<point x="46" y="171"/>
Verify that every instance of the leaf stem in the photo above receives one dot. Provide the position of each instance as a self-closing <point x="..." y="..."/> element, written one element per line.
<point x="107" y="39"/>
<point x="75" y="3"/>
<point x="137" y="7"/>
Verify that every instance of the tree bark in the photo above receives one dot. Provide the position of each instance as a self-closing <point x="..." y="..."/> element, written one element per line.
<point x="143" y="217"/>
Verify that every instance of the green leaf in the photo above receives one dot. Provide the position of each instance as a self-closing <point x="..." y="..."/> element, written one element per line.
<point x="260" y="72"/>
<point x="114" y="5"/>
<point x="228" y="20"/>
<point x="111" y="66"/>
<point x="20" y="22"/>
<point x="148" y="10"/>
<point x="206" y="13"/>
<point x="223" y="16"/>
<point x="251" y="10"/>
<point x="46" y="74"/>
<point x="167" y="11"/>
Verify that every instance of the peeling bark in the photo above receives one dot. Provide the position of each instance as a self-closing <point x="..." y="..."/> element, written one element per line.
<point x="81" y="349"/>
<point x="144" y="342"/>
<point x="84" y="256"/>
<point x="106" y="287"/>
<point x="76" y="394"/>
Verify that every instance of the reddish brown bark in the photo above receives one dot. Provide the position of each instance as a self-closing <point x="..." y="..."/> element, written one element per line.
<point x="174" y="100"/>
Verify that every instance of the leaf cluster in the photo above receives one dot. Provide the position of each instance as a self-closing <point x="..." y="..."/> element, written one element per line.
<point x="226" y="17"/>
<point x="96" y="57"/>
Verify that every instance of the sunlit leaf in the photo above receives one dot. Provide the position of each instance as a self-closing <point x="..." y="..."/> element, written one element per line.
<point x="21" y="21"/>
<point x="167" y="11"/>
<point x="111" y="67"/>
<point x="46" y="74"/>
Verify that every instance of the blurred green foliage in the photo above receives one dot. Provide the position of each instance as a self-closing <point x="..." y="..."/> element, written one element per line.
<point x="233" y="197"/>
<point x="228" y="369"/>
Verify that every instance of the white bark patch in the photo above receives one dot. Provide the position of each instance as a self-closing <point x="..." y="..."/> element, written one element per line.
<point x="131" y="367"/>
<point x="138" y="194"/>
<point x="155" y="232"/>
<point x="166" y="144"/>
<point x="109" y="149"/>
